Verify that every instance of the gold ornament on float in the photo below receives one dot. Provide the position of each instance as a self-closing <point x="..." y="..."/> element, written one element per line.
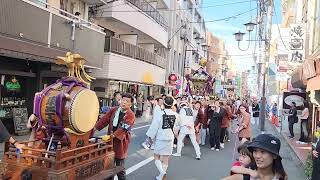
<point x="203" y="62"/>
<point x="74" y="63"/>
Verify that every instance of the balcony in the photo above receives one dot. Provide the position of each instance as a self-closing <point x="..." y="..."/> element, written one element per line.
<point x="45" y="31"/>
<point x="135" y="17"/>
<point x="127" y="62"/>
<point x="125" y="49"/>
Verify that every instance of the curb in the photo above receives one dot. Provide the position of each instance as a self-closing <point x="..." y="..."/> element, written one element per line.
<point x="283" y="139"/>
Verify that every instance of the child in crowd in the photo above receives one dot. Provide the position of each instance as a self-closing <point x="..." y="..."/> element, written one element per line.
<point x="246" y="163"/>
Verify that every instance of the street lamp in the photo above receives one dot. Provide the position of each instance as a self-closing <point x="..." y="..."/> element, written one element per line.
<point x="239" y="35"/>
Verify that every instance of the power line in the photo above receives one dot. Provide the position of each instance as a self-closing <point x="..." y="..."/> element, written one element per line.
<point x="228" y="18"/>
<point x="275" y="13"/>
<point x="182" y="9"/>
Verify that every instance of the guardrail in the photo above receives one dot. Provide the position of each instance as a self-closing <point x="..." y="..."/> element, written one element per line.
<point x="129" y="50"/>
<point x="151" y="11"/>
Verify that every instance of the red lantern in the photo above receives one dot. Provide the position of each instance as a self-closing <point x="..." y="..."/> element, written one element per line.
<point x="173" y="77"/>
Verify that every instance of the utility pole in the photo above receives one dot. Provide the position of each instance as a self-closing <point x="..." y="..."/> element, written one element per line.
<point x="265" y="67"/>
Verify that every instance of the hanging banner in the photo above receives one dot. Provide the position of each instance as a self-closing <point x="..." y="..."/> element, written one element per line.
<point x="297" y="43"/>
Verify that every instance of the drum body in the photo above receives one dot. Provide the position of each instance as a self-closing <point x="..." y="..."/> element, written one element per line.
<point x="68" y="106"/>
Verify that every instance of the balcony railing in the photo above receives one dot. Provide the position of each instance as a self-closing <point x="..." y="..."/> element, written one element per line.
<point x="129" y="50"/>
<point x="151" y="11"/>
<point x="45" y="25"/>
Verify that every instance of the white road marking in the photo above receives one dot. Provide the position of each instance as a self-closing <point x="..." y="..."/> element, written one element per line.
<point x="140" y="127"/>
<point x="139" y="165"/>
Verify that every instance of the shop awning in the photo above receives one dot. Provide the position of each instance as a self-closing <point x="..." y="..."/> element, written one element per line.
<point x="313" y="84"/>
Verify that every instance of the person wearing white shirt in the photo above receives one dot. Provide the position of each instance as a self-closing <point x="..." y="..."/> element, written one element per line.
<point x="158" y="106"/>
<point x="304" y="124"/>
<point x="187" y="128"/>
<point x="162" y="132"/>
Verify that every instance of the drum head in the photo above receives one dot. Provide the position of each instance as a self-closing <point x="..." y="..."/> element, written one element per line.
<point x="84" y="111"/>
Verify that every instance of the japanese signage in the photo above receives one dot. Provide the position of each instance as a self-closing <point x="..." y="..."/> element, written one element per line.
<point x="297" y="42"/>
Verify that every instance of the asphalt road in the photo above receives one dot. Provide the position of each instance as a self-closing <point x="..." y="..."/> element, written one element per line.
<point x="212" y="166"/>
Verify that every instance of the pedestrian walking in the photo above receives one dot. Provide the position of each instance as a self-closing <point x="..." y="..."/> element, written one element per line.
<point x="161" y="130"/>
<point x="225" y="123"/>
<point x="265" y="149"/>
<point x="304" y="124"/>
<point x="148" y="108"/>
<point x="293" y="118"/>
<point x="274" y="118"/>
<point x="198" y="116"/>
<point x="204" y="124"/>
<point x="139" y="105"/>
<point x="255" y="111"/>
<point x="215" y="116"/>
<point x="119" y="120"/>
<point x="116" y="99"/>
<point x="244" y="127"/>
<point x="187" y="128"/>
<point x="158" y="107"/>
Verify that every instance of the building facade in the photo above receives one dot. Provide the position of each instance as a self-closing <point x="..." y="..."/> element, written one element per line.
<point x="31" y="39"/>
<point x="186" y="44"/>
<point x="135" y="51"/>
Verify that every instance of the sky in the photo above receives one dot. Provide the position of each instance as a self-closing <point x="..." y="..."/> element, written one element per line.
<point x="219" y="9"/>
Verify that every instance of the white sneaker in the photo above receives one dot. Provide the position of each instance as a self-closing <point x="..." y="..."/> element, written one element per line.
<point x="228" y="140"/>
<point x="212" y="148"/>
<point x="217" y="150"/>
<point x="161" y="176"/>
<point x="152" y="147"/>
<point x="176" y="154"/>
<point x="222" y="145"/>
<point x="144" y="145"/>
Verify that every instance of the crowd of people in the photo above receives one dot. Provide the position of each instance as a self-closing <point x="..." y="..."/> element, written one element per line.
<point x="174" y="119"/>
<point x="205" y="122"/>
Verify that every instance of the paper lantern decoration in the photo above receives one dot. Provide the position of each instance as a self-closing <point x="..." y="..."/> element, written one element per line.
<point x="173" y="77"/>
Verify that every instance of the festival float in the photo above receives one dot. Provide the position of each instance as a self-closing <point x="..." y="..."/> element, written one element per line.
<point x="199" y="82"/>
<point x="61" y="146"/>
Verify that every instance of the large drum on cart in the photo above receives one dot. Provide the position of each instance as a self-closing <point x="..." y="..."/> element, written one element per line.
<point x="67" y="106"/>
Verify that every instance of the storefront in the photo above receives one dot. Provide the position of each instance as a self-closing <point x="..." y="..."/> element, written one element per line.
<point x="19" y="81"/>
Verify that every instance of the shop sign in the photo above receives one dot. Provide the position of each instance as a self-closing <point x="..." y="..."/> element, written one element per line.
<point x="297" y="43"/>
<point x="13" y="85"/>
<point x="297" y="97"/>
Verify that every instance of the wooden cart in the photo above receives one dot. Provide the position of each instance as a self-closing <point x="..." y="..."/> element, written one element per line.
<point x="94" y="160"/>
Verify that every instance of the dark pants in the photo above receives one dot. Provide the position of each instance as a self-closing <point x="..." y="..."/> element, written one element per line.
<point x="303" y="131"/>
<point x="291" y="128"/>
<point x="316" y="169"/>
<point x="214" y="140"/>
<point x="122" y="174"/>
<point x="223" y="134"/>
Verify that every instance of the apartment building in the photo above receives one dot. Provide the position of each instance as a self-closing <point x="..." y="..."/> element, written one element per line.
<point x="32" y="34"/>
<point x="187" y="40"/>
<point x="135" y="51"/>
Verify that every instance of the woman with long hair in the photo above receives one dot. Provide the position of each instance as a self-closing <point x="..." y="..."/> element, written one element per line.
<point x="265" y="149"/>
<point x="244" y="129"/>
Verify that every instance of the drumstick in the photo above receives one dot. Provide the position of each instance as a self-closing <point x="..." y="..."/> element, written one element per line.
<point x="50" y="142"/>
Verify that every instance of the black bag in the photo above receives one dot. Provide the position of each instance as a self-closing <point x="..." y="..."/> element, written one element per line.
<point x="168" y="121"/>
